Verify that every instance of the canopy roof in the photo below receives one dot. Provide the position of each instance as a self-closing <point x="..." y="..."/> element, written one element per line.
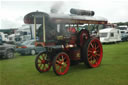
<point x="63" y="18"/>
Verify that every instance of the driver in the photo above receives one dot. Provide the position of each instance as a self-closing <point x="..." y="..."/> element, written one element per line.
<point x="50" y="32"/>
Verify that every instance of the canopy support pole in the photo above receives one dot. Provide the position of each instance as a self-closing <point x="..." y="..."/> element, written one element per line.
<point x="44" y="33"/>
<point x="35" y="26"/>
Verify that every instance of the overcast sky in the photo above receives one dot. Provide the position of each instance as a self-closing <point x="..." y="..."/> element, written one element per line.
<point x="13" y="11"/>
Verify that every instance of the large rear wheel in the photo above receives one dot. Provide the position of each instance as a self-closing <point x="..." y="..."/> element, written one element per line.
<point x="92" y="52"/>
<point x="42" y="62"/>
<point x="61" y="63"/>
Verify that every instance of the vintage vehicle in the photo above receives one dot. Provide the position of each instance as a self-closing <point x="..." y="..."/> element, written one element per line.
<point x="64" y="42"/>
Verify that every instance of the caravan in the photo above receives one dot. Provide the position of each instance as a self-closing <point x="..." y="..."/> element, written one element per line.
<point x="109" y="35"/>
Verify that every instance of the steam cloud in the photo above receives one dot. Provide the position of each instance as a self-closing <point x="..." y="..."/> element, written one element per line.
<point x="55" y="8"/>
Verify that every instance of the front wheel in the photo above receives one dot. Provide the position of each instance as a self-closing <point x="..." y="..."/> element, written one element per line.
<point x="61" y="63"/>
<point x="43" y="62"/>
<point x="92" y="52"/>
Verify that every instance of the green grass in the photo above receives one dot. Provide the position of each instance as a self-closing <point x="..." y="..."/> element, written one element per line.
<point x="113" y="70"/>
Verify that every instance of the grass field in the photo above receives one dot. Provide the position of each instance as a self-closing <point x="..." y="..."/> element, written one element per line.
<point x="113" y="70"/>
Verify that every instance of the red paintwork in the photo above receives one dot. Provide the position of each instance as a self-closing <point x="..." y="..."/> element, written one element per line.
<point x="83" y="36"/>
<point x="74" y="54"/>
<point x="23" y="46"/>
<point x="62" y="64"/>
<point x="73" y="39"/>
<point x="72" y="30"/>
<point x="39" y="44"/>
<point x="44" y="44"/>
<point x="95" y="53"/>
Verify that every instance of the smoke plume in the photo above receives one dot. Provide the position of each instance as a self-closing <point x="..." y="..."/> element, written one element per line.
<point x="56" y="7"/>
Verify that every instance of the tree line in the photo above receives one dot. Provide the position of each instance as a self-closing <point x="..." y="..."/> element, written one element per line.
<point x="122" y="23"/>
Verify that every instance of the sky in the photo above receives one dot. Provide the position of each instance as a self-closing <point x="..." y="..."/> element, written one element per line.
<point x="13" y="11"/>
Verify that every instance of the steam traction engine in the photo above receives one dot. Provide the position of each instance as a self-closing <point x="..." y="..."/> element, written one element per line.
<point x="64" y="41"/>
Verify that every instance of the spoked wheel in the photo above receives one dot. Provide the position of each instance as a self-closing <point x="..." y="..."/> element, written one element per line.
<point x="61" y="63"/>
<point x="82" y="37"/>
<point x="92" y="52"/>
<point x="43" y="62"/>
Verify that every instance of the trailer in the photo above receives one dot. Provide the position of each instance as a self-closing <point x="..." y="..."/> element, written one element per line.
<point x="110" y="35"/>
<point x="64" y="42"/>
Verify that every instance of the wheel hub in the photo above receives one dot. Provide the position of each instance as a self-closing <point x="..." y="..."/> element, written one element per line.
<point x="43" y="61"/>
<point x="62" y="63"/>
<point x="94" y="53"/>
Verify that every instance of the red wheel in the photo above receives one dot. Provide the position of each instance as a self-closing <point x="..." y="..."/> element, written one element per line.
<point x="61" y="63"/>
<point x="82" y="37"/>
<point x="42" y="62"/>
<point x="92" y="53"/>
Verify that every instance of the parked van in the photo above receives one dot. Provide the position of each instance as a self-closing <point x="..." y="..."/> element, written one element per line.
<point x="109" y="35"/>
<point x="124" y="32"/>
